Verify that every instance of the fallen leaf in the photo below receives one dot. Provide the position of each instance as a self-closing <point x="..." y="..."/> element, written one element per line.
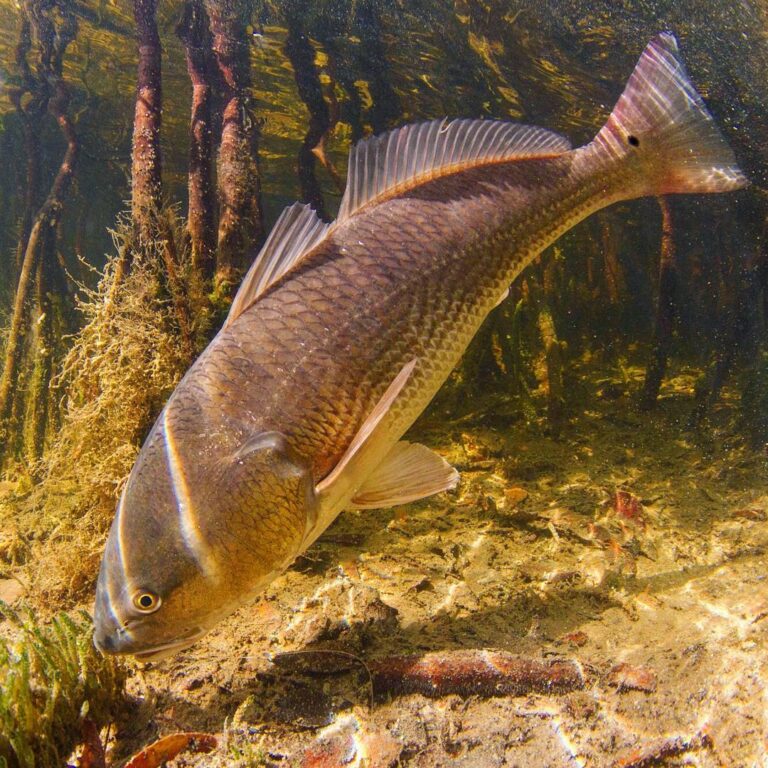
<point x="750" y="513"/>
<point x="382" y="750"/>
<point x="334" y="748"/>
<point x="168" y="747"/>
<point x="514" y="496"/>
<point x="577" y="638"/>
<point x="628" y="507"/>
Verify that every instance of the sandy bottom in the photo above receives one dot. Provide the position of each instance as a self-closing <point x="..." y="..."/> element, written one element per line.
<point x="628" y="545"/>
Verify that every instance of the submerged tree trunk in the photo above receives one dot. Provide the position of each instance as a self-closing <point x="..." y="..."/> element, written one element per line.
<point x="612" y="269"/>
<point x="239" y="192"/>
<point x="301" y="54"/>
<point x="553" y="355"/>
<point x="146" y="166"/>
<point x="30" y="115"/>
<point x="37" y="401"/>
<point x="32" y="176"/>
<point x="665" y="311"/>
<point x="194" y="31"/>
<point x="153" y="237"/>
<point x="386" y="109"/>
<point x="52" y="42"/>
<point x="146" y="169"/>
<point x="342" y="72"/>
<point x="738" y="330"/>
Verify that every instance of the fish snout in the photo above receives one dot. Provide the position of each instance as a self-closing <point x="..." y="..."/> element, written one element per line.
<point x="105" y="642"/>
<point x="109" y="637"/>
<point x="109" y="634"/>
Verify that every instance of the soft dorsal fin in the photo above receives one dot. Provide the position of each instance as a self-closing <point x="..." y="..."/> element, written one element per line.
<point x="294" y="233"/>
<point x="395" y="161"/>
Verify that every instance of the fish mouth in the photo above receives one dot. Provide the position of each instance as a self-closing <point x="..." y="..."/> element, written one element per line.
<point x="163" y="651"/>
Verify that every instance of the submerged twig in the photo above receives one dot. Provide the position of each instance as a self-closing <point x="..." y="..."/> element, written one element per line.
<point x="669" y="747"/>
<point x="474" y="673"/>
<point x="92" y="755"/>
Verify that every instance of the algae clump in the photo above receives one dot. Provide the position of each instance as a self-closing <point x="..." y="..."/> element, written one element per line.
<point x="50" y="677"/>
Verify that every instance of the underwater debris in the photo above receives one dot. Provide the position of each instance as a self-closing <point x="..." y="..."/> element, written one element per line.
<point x="514" y="496"/>
<point x="168" y="747"/>
<point x="51" y="677"/>
<point x="93" y="755"/>
<point x="578" y="638"/>
<point x="669" y="747"/>
<point x="628" y="507"/>
<point x="343" y="743"/>
<point x="473" y="673"/>
<point x="626" y="677"/>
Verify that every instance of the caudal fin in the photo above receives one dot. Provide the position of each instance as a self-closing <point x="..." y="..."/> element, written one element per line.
<point x="661" y="124"/>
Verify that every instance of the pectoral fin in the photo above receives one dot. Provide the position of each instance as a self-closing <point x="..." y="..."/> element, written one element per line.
<point x="355" y="454"/>
<point x="409" y="472"/>
<point x="361" y="457"/>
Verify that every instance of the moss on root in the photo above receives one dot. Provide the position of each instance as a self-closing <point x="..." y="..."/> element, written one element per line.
<point x="50" y="678"/>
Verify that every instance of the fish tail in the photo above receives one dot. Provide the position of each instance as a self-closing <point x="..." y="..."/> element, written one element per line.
<point x="661" y="127"/>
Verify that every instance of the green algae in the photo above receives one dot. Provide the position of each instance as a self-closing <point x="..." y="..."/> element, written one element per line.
<point x="51" y="677"/>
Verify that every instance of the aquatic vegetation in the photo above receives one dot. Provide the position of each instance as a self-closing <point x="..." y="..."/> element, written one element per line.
<point x="51" y="677"/>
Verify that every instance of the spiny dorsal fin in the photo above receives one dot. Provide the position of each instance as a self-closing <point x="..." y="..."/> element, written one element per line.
<point x="395" y="161"/>
<point x="294" y="233"/>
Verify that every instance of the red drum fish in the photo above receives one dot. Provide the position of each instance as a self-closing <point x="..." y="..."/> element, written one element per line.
<point x="342" y="333"/>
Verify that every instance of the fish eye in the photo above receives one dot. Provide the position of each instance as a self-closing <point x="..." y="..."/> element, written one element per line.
<point x="146" y="602"/>
<point x="633" y="140"/>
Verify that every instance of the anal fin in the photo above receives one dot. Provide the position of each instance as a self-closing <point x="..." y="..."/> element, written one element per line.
<point x="409" y="472"/>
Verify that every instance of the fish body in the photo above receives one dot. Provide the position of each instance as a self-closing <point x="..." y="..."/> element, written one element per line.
<point x="342" y="334"/>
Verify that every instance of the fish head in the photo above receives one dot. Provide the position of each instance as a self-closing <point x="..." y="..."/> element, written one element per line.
<point x="191" y="541"/>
